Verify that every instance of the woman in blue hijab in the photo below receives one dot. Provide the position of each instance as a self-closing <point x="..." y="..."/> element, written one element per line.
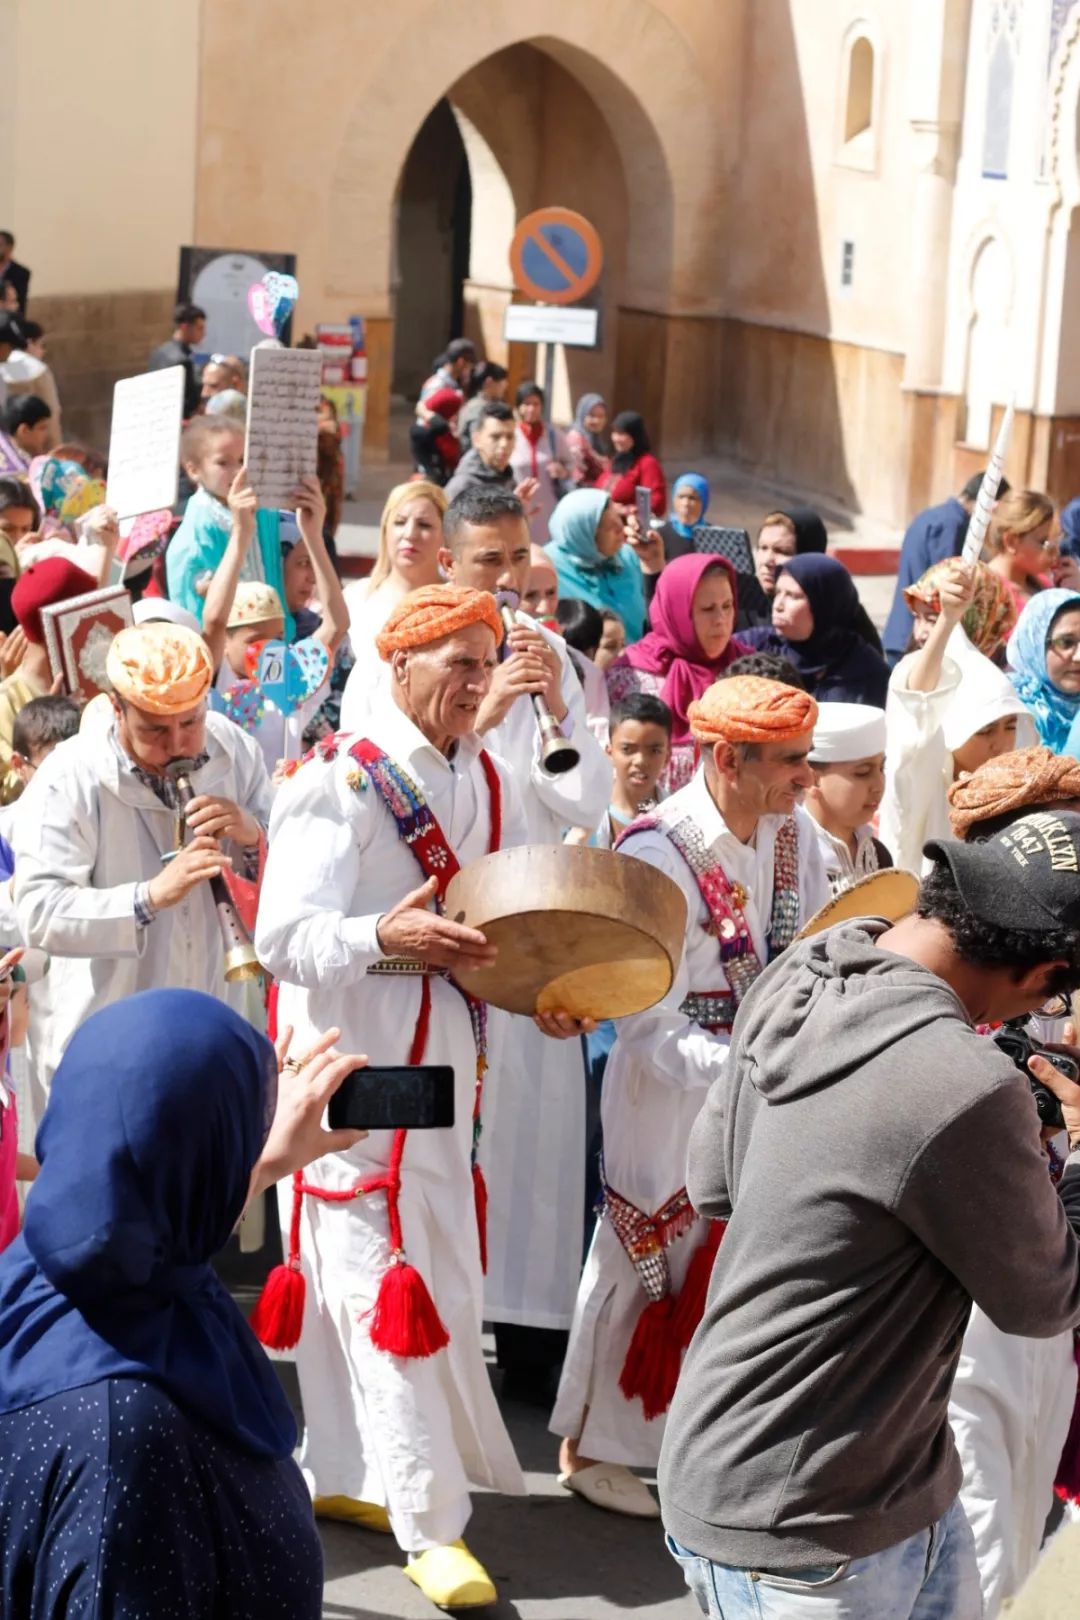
<point x="818" y="626"/>
<point x="145" y="1436"/>
<point x="1044" y="659"/>
<point x="592" y="560"/>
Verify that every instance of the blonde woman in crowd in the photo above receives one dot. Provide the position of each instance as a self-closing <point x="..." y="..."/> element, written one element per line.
<point x="1019" y="543"/>
<point x="410" y="534"/>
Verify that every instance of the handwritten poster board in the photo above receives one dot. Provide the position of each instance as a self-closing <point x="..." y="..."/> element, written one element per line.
<point x="144" y="445"/>
<point x="282" y="422"/>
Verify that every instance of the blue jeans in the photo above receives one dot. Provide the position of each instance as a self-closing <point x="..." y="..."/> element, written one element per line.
<point x="931" y="1576"/>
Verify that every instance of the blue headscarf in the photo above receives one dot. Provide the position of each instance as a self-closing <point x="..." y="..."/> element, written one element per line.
<point x="700" y="487"/>
<point x="615" y="582"/>
<point x="158" y="1113"/>
<point x="1069" y="518"/>
<point x="1055" y="712"/>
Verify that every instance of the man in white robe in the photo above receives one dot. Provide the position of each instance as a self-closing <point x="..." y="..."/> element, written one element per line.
<point x="738" y="821"/>
<point x="97" y="872"/>
<point x="533" y="1146"/>
<point x="394" y="1441"/>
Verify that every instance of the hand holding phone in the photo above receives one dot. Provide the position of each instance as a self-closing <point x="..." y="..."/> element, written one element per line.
<point x="412" y="1097"/>
<point x="643" y="509"/>
<point x="305" y="1086"/>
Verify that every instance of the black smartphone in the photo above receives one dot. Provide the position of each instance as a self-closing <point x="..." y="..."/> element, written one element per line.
<point x="414" y="1097"/>
<point x="643" y="508"/>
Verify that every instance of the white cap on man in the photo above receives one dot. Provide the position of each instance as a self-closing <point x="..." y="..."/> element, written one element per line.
<point x="845" y="732"/>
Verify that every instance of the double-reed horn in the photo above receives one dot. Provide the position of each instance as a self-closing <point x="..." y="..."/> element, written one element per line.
<point x="557" y="753"/>
<point x="240" y="959"/>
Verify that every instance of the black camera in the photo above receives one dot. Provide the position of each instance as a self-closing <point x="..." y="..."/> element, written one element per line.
<point x="1016" y="1043"/>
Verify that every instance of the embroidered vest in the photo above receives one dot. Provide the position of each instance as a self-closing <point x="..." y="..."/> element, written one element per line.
<point x="724" y="901"/>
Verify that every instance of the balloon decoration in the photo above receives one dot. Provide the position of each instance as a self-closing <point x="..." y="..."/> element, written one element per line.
<point x="272" y="300"/>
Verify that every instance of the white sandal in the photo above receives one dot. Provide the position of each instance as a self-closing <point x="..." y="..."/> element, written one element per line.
<point x="614" y="1487"/>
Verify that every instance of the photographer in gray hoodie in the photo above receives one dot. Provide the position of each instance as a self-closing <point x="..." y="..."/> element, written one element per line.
<point x="880" y="1167"/>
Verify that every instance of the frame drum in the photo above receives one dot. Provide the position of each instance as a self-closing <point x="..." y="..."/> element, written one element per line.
<point x="582" y="931"/>
<point x="890" y="893"/>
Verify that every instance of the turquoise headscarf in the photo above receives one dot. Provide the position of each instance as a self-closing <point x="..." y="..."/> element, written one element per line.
<point x="1056" y="713"/>
<point x="613" y="583"/>
<point x="700" y="487"/>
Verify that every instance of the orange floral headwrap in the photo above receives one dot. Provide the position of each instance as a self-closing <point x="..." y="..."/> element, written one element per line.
<point x="435" y="611"/>
<point x="750" y="709"/>
<point x="161" y="668"/>
<point x="989" y="619"/>
<point x="1017" y="781"/>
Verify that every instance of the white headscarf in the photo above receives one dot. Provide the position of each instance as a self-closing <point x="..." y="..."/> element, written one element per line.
<point x="985" y="694"/>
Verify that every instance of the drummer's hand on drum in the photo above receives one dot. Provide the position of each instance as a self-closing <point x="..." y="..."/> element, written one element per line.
<point x="409" y="929"/>
<point x="561" y="1026"/>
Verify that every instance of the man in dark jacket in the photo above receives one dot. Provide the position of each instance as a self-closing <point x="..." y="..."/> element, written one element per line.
<point x="933" y="535"/>
<point x="189" y="329"/>
<point x="880" y="1167"/>
<point x="11" y="271"/>
<point x="487" y="464"/>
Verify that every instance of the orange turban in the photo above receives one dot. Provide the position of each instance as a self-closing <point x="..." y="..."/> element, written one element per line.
<point x="749" y="709"/>
<point x="435" y="611"/>
<point x="162" y="668"/>
<point x="1022" y="780"/>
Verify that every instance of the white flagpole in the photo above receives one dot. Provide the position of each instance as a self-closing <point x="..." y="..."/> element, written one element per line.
<point x="984" y="504"/>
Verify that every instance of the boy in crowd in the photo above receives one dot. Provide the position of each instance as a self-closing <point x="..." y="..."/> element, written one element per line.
<point x="848" y="760"/>
<point x="639" y="748"/>
<point x="27" y="421"/>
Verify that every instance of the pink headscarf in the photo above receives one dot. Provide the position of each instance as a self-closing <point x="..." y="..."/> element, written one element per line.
<point x="671" y="648"/>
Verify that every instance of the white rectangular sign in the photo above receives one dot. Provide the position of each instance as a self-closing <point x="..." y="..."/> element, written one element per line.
<point x="547" y="323"/>
<point x="282" y="422"/>
<point x="144" y="443"/>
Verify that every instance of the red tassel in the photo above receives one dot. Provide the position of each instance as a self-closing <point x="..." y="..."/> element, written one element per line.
<point x="651" y="1368"/>
<point x="690" y="1305"/>
<point x="405" y="1321"/>
<point x="278" y="1316"/>
<point x="480" y="1198"/>
<point x="279" y="1310"/>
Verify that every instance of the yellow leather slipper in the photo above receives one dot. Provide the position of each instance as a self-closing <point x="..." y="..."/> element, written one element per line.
<point x="347" y="1510"/>
<point x="451" y="1578"/>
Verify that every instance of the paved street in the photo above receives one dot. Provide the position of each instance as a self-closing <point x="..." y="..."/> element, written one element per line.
<point x="552" y="1556"/>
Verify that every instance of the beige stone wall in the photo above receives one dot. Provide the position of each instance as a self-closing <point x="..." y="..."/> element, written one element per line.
<point x="711" y="141"/>
<point x="97" y="129"/>
<point x="100" y="109"/>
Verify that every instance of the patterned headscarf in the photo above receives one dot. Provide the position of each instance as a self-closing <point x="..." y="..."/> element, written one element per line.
<point x="990" y="619"/>
<point x="1014" y="781"/>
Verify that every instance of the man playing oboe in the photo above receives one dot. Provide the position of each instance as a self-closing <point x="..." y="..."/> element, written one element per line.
<point x="99" y="872"/>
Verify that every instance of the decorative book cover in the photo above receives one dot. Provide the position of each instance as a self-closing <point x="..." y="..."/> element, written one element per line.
<point x="77" y="637"/>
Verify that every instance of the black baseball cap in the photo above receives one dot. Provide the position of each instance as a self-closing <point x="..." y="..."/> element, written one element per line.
<point x="1026" y="877"/>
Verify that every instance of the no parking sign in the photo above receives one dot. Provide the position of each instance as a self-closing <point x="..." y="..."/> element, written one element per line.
<point x="556" y="256"/>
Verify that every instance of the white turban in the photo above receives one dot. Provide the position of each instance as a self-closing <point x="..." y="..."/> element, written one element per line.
<point x="846" y="732"/>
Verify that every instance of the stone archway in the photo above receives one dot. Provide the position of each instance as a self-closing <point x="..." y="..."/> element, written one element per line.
<point x="638" y="74"/>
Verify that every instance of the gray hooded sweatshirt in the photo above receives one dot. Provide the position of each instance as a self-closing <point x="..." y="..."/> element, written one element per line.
<point x="880" y="1165"/>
